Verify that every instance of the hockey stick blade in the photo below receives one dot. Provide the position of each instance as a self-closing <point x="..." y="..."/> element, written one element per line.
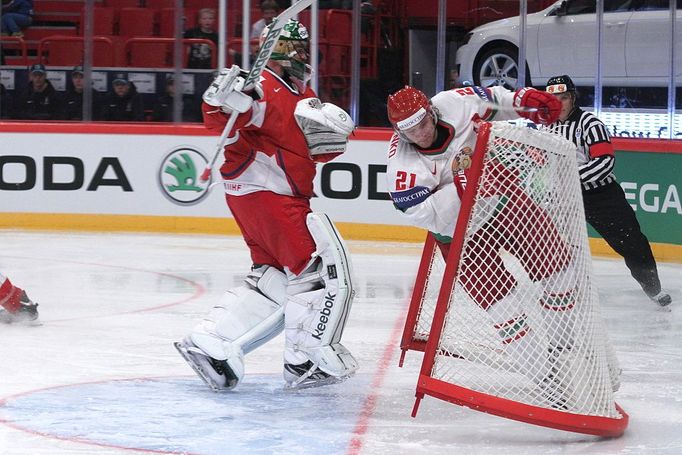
<point x="264" y="54"/>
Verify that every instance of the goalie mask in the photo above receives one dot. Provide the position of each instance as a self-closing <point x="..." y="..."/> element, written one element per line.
<point x="326" y="127"/>
<point x="291" y="50"/>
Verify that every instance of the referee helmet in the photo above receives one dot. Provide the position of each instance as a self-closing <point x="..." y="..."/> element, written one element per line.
<point x="560" y="84"/>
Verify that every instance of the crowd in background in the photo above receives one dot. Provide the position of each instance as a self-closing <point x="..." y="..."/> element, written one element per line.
<point x="37" y="98"/>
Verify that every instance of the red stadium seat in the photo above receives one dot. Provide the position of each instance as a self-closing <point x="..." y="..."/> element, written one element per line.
<point x="158" y="4"/>
<point x="136" y="22"/>
<point x="166" y="18"/>
<point x="103" y="21"/>
<point x="197" y="4"/>
<point x="123" y="3"/>
<point x="149" y="52"/>
<point x="68" y="51"/>
<point x="342" y="23"/>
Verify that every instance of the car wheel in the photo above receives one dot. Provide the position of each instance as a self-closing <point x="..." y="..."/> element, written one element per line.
<point x="498" y="67"/>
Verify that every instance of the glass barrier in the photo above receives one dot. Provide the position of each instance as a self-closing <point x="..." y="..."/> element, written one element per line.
<point x="136" y="54"/>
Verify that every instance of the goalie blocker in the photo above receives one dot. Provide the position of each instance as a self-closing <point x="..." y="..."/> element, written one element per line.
<point x="313" y="305"/>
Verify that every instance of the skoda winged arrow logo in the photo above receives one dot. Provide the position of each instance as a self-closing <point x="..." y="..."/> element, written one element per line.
<point x="179" y="174"/>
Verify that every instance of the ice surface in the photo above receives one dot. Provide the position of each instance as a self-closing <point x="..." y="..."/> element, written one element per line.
<point x="100" y="376"/>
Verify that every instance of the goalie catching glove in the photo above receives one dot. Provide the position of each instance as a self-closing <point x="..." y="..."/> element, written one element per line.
<point x="227" y="91"/>
<point x="326" y="128"/>
<point x="548" y="106"/>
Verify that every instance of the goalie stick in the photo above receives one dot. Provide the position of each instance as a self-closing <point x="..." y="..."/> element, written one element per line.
<point x="253" y="77"/>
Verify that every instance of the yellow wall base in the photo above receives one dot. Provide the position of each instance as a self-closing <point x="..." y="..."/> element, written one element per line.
<point x="227" y="226"/>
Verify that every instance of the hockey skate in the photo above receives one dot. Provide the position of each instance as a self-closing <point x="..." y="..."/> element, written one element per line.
<point x="552" y="389"/>
<point x="307" y="375"/>
<point x="662" y="298"/>
<point x="26" y="314"/>
<point x="215" y="373"/>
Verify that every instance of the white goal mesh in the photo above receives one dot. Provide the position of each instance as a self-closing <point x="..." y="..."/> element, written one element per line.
<point x="521" y="321"/>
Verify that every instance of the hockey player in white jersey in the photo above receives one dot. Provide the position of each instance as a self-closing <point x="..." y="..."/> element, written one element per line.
<point x="428" y="161"/>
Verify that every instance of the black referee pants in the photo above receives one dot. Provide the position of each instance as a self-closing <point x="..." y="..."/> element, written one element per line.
<point x="610" y="214"/>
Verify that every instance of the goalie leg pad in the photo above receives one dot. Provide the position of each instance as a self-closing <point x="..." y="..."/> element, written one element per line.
<point x="319" y="302"/>
<point x="243" y="320"/>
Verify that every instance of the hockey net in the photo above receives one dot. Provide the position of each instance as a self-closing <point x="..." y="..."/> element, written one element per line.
<point x="510" y="322"/>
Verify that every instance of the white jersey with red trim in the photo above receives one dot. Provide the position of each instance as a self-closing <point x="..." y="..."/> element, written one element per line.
<point x="421" y="182"/>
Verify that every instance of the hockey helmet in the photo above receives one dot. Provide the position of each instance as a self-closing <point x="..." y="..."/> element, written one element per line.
<point x="407" y="107"/>
<point x="291" y="49"/>
<point x="560" y="84"/>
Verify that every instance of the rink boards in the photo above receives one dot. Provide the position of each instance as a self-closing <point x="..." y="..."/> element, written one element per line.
<point x="144" y="177"/>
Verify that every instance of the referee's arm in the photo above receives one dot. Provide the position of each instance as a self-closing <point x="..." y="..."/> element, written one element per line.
<point x="602" y="157"/>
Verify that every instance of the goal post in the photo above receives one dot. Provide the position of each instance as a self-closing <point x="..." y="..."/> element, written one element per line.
<point x="509" y="322"/>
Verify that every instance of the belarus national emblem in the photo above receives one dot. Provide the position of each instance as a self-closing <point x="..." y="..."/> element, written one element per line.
<point x="462" y="160"/>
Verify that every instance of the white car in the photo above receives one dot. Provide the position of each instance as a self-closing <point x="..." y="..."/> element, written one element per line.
<point x="562" y="39"/>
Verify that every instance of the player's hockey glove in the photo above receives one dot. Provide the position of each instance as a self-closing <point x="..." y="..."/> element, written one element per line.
<point x="227" y="91"/>
<point x="548" y="106"/>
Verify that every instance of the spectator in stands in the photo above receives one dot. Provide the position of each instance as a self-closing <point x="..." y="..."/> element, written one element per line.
<point x="269" y="10"/>
<point x="200" y="54"/>
<point x="163" y="109"/>
<point x="39" y="100"/>
<point x="6" y="103"/>
<point x="123" y="103"/>
<point x="16" y="16"/>
<point x="73" y="100"/>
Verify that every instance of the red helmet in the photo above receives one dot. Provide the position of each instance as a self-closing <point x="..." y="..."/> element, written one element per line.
<point x="407" y="107"/>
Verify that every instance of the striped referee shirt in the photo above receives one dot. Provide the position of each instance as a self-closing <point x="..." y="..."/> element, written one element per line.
<point x="595" y="151"/>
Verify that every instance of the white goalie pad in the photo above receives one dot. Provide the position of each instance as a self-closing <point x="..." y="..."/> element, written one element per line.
<point x="319" y="303"/>
<point x="245" y="318"/>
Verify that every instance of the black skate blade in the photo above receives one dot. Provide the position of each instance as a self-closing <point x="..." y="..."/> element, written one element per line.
<point x="214" y="386"/>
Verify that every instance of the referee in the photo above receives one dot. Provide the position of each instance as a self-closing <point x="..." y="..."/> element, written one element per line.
<point x="606" y="208"/>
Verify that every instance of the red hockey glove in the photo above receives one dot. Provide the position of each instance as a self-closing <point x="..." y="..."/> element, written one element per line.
<point x="548" y="106"/>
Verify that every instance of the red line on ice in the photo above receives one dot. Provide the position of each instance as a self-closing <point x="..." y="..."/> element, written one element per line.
<point x="371" y="402"/>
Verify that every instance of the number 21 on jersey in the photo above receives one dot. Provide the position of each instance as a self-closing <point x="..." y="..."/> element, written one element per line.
<point x="405" y="181"/>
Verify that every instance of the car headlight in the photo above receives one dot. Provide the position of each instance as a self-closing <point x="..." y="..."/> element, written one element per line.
<point x="466" y="39"/>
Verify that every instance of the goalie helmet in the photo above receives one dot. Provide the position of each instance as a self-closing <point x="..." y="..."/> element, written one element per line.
<point x="560" y="84"/>
<point x="407" y="107"/>
<point x="291" y="49"/>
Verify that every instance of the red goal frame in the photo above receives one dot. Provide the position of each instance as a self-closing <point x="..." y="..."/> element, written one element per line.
<point x="427" y="385"/>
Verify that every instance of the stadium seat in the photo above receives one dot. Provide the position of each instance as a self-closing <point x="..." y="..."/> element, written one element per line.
<point x="68" y="51"/>
<point x="341" y="21"/>
<point x="197" y="4"/>
<point x="159" y="4"/>
<point x="103" y="21"/>
<point x="166" y="18"/>
<point x="136" y="22"/>
<point x="123" y="3"/>
<point x="149" y="52"/>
